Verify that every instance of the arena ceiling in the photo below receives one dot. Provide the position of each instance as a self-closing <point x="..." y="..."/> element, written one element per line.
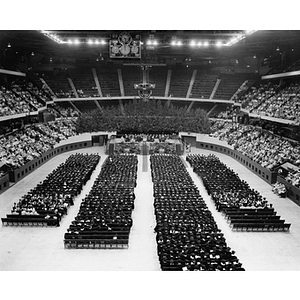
<point x="262" y="43"/>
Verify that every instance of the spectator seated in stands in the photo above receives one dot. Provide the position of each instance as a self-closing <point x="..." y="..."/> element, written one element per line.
<point x="294" y="178"/>
<point x="261" y="146"/>
<point x="60" y="111"/>
<point x="21" y="97"/>
<point x="274" y="101"/>
<point x="30" y="142"/>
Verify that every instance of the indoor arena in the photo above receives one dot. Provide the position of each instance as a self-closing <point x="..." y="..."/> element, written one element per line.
<point x="150" y="150"/>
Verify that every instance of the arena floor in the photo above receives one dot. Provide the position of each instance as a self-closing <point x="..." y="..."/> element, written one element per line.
<point x="42" y="248"/>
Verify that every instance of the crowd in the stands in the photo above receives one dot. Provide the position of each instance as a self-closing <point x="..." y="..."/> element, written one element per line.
<point x="10" y="104"/>
<point x="108" y="206"/>
<point x="51" y="197"/>
<point x="274" y="101"/>
<point x="59" y="111"/>
<point x="30" y="142"/>
<point x="187" y="235"/>
<point x="261" y="146"/>
<point x="293" y="178"/>
<point x="21" y="97"/>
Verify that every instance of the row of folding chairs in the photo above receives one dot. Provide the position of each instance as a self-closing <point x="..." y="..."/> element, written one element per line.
<point x="96" y="244"/>
<point x="261" y="227"/>
<point x="29" y="222"/>
<point x="99" y="236"/>
<point x="257" y="221"/>
<point x="256" y="217"/>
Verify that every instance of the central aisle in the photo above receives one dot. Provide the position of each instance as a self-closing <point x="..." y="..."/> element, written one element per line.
<point x="142" y="237"/>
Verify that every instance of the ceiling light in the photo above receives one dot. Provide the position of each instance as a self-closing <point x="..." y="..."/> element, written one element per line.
<point x="249" y="31"/>
<point x="199" y="44"/>
<point x="90" y="42"/>
<point x="173" y="43"/>
<point x="219" y="44"/>
<point x="76" y="41"/>
<point x="8" y="45"/>
<point x="193" y="43"/>
<point x="205" y="43"/>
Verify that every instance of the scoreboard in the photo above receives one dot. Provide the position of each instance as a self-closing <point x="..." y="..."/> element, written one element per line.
<point x="124" y="46"/>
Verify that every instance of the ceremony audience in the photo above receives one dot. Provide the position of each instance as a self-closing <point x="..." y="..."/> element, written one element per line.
<point x="188" y="238"/>
<point x="105" y="213"/>
<point x="51" y="197"/>
<point x="224" y="185"/>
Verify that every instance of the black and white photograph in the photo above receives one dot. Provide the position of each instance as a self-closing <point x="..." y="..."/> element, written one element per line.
<point x="128" y="153"/>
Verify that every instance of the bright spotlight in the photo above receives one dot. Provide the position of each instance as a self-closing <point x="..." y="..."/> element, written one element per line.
<point x="205" y="44"/>
<point x="90" y="42"/>
<point x="173" y="43"/>
<point x="193" y="43"/>
<point x="76" y="41"/>
<point x="102" y="42"/>
<point x="219" y="44"/>
<point x="155" y="42"/>
<point x="70" y="42"/>
<point x="179" y="43"/>
<point x="199" y="44"/>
